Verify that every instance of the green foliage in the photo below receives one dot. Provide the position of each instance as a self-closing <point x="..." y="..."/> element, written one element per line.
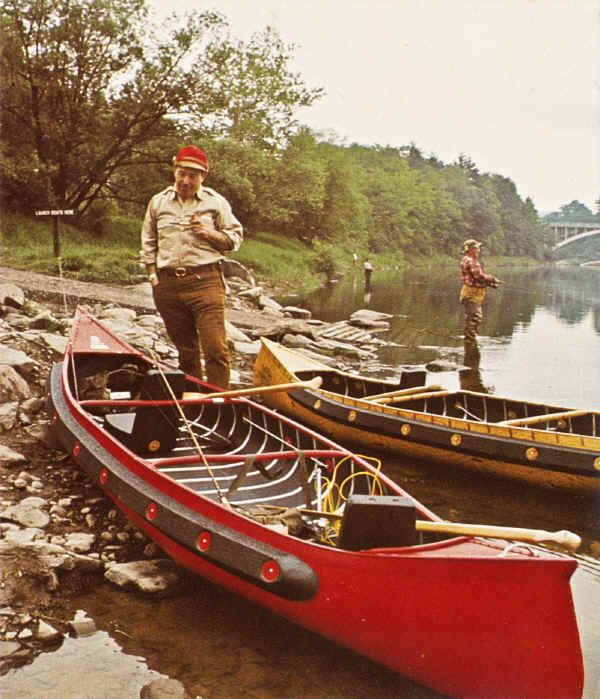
<point x="88" y="87"/>
<point x="326" y="260"/>
<point x="28" y="244"/>
<point x="574" y="212"/>
<point x="280" y="259"/>
<point x="88" y="94"/>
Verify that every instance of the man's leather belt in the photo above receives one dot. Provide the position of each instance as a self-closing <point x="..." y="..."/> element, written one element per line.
<point x="184" y="271"/>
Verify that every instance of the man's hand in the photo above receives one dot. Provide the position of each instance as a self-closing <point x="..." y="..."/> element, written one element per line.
<point x="206" y="230"/>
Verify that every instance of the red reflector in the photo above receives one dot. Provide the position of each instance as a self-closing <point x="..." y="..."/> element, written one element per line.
<point x="270" y="571"/>
<point x="151" y="511"/>
<point x="103" y="476"/>
<point x="54" y="419"/>
<point x="204" y="541"/>
<point x="76" y="448"/>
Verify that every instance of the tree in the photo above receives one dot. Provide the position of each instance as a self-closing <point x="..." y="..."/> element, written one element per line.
<point x="575" y="211"/>
<point x="88" y="86"/>
<point x="261" y="93"/>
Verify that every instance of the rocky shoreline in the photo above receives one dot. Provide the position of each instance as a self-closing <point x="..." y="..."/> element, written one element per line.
<point x="59" y="535"/>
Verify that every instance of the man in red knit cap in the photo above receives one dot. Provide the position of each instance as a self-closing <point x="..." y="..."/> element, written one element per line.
<point x="187" y="231"/>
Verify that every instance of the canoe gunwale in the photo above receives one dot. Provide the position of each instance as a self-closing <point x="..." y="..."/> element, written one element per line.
<point x="229" y="547"/>
<point x="472" y="443"/>
<point x="353" y="602"/>
<point x="537" y="456"/>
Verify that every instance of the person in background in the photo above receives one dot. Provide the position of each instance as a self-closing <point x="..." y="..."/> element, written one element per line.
<point x="368" y="267"/>
<point x="187" y="231"/>
<point x="475" y="282"/>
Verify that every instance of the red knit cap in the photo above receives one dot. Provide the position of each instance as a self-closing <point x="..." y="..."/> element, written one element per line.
<point x="193" y="157"/>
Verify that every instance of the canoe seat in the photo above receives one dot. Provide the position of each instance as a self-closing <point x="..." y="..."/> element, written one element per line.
<point x="150" y="429"/>
<point x="377" y="521"/>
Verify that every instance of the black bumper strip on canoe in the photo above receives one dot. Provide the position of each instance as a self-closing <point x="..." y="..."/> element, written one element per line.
<point x="510" y="450"/>
<point x="239" y="554"/>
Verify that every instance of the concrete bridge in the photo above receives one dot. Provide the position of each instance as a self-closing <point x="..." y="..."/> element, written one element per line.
<point x="566" y="230"/>
<point x="586" y="233"/>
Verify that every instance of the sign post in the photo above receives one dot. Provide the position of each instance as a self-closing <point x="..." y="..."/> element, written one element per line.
<point x="56" y="214"/>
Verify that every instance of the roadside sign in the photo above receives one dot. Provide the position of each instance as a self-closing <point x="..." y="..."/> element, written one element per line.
<point x="55" y="213"/>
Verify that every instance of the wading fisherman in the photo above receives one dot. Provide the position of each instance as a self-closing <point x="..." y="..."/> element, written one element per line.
<point x="187" y="231"/>
<point x="474" y="286"/>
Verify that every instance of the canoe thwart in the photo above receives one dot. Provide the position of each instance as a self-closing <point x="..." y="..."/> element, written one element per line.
<point x="383" y="397"/>
<point x="315" y="382"/>
<point x="415" y="396"/>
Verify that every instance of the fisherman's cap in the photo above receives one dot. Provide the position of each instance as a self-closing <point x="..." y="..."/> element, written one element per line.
<point x="192" y="157"/>
<point x="471" y="243"/>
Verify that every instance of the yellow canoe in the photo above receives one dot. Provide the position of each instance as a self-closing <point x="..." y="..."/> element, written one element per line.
<point x="542" y="444"/>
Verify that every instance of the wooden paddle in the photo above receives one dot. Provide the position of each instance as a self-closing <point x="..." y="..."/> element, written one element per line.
<point x="315" y="382"/>
<point x="384" y="398"/>
<point x="539" y="419"/>
<point x="564" y="538"/>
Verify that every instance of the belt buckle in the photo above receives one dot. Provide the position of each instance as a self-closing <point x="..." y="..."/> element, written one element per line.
<point x="180" y="271"/>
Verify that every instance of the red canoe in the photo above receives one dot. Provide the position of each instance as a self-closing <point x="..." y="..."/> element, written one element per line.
<point x="252" y="501"/>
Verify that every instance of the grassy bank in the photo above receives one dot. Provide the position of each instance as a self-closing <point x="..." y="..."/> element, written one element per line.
<point x="28" y="244"/>
<point x="112" y="258"/>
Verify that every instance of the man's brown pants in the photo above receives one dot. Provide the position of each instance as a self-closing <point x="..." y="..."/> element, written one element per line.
<point x="193" y="310"/>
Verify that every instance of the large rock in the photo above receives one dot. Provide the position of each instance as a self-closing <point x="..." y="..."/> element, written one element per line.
<point x="120" y="315"/>
<point x="15" y="358"/>
<point x="79" y="542"/>
<point x="57" y="343"/>
<point x="283" y="326"/>
<point x="11" y="295"/>
<point x="151" y="577"/>
<point x="49" y="556"/>
<point x="269" y="304"/>
<point x="164" y="689"/>
<point x="234" y="334"/>
<point x="8" y="648"/>
<point x="8" y="416"/>
<point x="370" y="319"/>
<point x="295" y="312"/>
<point x="12" y="385"/>
<point x="233" y="268"/>
<point x="28" y="512"/>
<point x="47" y="634"/>
<point x="10" y="457"/>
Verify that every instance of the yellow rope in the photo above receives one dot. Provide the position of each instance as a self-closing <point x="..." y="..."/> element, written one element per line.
<point x="222" y="497"/>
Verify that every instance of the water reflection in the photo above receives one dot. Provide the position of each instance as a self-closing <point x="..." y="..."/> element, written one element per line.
<point x="97" y="669"/>
<point x="470" y="377"/>
<point x="539" y="340"/>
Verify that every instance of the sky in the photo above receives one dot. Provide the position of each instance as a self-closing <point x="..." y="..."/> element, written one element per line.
<point x="512" y="84"/>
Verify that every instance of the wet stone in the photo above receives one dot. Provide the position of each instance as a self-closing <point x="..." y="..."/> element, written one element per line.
<point x="164" y="689"/>
<point x="82" y="626"/>
<point x="8" y="648"/>
<point x="46" y="633"/>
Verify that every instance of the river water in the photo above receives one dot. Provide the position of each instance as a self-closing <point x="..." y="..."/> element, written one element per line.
<point x="540" y="340"/>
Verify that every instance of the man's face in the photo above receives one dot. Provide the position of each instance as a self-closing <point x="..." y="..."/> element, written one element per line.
<point x="188" y="181"/>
